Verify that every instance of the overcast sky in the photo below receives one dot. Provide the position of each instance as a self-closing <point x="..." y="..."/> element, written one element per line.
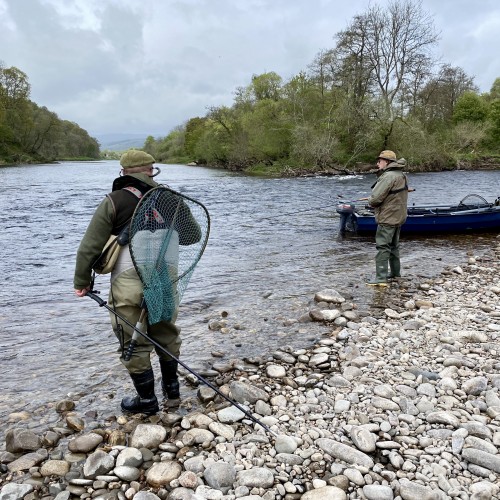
<point x="145" y="66"/>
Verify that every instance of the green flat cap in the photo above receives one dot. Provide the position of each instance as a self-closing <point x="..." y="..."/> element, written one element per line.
<point x="136" y="158"/>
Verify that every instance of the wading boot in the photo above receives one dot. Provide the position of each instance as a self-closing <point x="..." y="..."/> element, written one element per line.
<point x="381" y="276"/>
<point x="169" y="379"/>
<point x="145" y="402"/>
<point x="395" y="267"/>
<point x="391" y="276"/>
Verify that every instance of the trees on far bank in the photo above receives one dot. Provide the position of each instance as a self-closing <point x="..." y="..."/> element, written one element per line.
<point x="29" y="132"/>
<point x="379" y="87"/>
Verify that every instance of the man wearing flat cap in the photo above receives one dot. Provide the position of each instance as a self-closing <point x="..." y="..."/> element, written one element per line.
<point x="389" y="198"/>
<point x="125" y="297"/>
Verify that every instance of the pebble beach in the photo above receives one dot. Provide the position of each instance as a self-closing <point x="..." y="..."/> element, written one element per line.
<point x="398" y="402"/>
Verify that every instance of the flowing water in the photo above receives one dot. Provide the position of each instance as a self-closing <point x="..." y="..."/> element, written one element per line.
<point x="273" y="244"/>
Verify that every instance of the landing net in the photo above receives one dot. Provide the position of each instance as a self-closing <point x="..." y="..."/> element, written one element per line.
<point x="168" y="234"/>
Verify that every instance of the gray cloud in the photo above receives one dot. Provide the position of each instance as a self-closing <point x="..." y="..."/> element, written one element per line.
<point x="147" y="66"/>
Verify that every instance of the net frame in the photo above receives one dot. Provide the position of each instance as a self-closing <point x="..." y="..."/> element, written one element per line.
<point x="170" y="288"/>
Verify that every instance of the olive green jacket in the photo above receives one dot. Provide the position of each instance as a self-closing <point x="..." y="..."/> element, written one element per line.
<point x="389" y="195"/>
<point x="101" y="227"/>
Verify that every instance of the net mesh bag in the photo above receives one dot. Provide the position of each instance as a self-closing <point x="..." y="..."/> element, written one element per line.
<point x="168" y="234"/>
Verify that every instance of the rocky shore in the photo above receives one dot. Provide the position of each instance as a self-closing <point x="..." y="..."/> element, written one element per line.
<point x="399" y="404"/>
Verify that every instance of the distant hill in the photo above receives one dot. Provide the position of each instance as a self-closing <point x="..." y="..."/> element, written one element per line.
<point x="121" y="142"/>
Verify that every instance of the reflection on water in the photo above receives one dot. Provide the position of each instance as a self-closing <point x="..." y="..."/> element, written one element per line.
<point x="273" y="244"/>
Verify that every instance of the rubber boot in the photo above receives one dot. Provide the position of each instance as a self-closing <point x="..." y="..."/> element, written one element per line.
<point x="169" y="379"/>
<point x="381" y="276"/>
<point x="145" y="402"/>
<point x="395" y="267"/>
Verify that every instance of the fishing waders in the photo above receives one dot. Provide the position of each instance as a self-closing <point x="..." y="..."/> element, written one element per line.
<point x="387" y="244"/>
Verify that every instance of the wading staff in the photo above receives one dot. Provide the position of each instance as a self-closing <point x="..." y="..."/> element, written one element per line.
<point x="102" y="303"/>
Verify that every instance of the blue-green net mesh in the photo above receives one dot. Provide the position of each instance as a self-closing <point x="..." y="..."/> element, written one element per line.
<point x="168" y="234"/>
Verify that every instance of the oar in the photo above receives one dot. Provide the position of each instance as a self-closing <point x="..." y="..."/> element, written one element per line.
<point x="103" y="303"/>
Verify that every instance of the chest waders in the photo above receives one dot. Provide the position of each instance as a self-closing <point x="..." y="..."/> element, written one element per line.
<point x="168" y="235"/>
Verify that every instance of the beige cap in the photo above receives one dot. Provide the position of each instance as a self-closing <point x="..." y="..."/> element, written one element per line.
<point x="387" y="155"/>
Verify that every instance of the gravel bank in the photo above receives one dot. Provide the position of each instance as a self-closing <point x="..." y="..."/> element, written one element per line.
<point x="403" y="403"/>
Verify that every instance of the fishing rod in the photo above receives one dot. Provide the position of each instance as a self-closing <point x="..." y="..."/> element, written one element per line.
<point x="410" y="190"/>
<point x="102" y="303"/>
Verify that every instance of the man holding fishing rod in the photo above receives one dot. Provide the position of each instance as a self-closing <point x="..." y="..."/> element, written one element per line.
<point x="112" y="216"/>
<point x="389" y="198"/>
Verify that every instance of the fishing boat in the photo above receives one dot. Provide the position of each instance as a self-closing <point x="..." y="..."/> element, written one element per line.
<point x="472" y="213"/>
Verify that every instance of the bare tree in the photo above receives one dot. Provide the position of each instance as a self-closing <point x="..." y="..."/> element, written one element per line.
<point x="389" y="52"/>
<point x="436" y="100"/>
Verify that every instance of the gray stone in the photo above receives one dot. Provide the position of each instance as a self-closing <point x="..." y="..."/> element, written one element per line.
<point x="18" y="440"/>
<point x="206" y="394"/>
<point x="189" y="479"/>
<point x="182" y="494"/>
<point x="14" y="491"/>
<point x="318" y="359"/>
<point x="410" y="490"/>
<point x="477" y="429"/>
<point x="262" y="408"/>
<point x="289" y="459"/>
<point x="475" y="385"/>
<point x="285" y="444"/>
<point x="195" y="464"/>
<point x="127" y="473"/>
<point x="98" y="463"/>
<point x="145" y="495"/>
<point x="243" y="392"/>
<point x="223" y="430"/>
<point x="197" y="436"/>
<point x="259" y="477"/>
<point x="63" y="495"/>
<point x="148" y="436"/>
<point x="220" y="476"/>
<point x="65" y="405"/>
<point x="131" y="457"/>
<point x="378" y="492"/>
<point x="480" y="444"/>
<point x="384" y="404"/>
<point x="205" y="492"/>
<point x="363" y="439"/>
<point x="162" y="473"/>
<point x="443" y="417"/>
<point x="482" y="458"/>
<point x="85" y="443"/>
<point x="344" y="452"/>
<point x="275" y="371"/>
<point x="329" y="295"/>
<point x="55" y="468"/>
<point x="230" y="415"/>
<point x="483" y="490"/>
<point x="25" y="462"/>
<point x="325" y="493"/>
<point x="75" y="422"/>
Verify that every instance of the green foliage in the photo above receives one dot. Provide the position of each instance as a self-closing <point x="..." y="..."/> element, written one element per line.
<point x="495" y="90"/>
<point x="195" y="128"/>
<point x="377" y="88"/>
<point x="493" y="124"/>
<point x="470" y="107"/>
<point x="30" y="133"/>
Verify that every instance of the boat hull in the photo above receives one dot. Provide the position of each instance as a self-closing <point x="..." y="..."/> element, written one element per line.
<point x="428" y="224"/>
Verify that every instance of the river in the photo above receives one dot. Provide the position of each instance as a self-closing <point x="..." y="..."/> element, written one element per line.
<point x="273" y="244"/>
